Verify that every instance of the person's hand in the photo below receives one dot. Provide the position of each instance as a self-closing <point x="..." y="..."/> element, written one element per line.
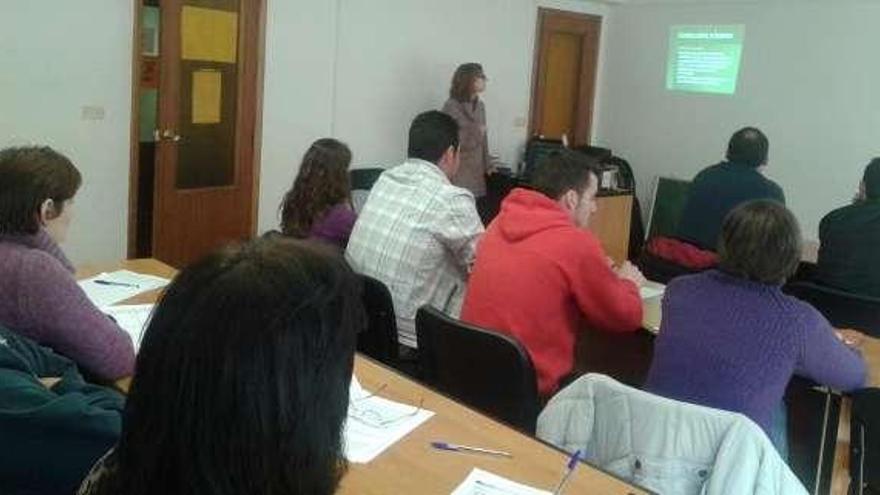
<point x="628" y="271"/>
<point x="852" y="338"/>
<point x="50" y="381"/>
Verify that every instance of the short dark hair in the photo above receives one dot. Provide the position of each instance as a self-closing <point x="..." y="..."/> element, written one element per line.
<point x="561" y="171"/>
<point x="321" y="183"/>
<point x="462" y="87"/>
<point x="748" y="146"/>
<point x="760" y="241"/>
<point x="29" y="175"/>
<point x="871" y="179"/>
<point x="431" y="134"/>
<point x="241" y="382"/>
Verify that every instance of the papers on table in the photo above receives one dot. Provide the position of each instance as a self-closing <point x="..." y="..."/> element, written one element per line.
<point x="481" y="482"/>
<point x="133" y="319"/>
<point x="106" y="289"/>
<point x="649" y="291"/>
<point x="374" y="423"/>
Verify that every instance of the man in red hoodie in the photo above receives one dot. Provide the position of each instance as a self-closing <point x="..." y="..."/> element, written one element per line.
<point x="541" y="276"/>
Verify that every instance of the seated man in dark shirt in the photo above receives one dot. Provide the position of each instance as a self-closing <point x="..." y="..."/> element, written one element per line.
<point x="849" y="238"/>
<point x="718" y="189"/>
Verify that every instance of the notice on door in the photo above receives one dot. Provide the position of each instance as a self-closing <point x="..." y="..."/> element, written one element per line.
<point x="208" y="35"/>
<point x="207" y="94"/>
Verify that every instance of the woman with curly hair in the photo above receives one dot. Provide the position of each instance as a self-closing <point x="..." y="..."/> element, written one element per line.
<point x="318" y="205"/>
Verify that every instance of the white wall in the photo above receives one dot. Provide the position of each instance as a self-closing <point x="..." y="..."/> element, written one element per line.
<point x="58" y="56"/>
<point x="808" y="78"/>
<point x="393" y="59"/>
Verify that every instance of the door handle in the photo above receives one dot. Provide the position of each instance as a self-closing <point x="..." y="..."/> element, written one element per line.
<point x="169" y="134"/>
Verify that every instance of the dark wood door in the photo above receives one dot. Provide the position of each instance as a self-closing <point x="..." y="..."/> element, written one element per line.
<point x="564" y="80"/>
<point x="206" y="156"/>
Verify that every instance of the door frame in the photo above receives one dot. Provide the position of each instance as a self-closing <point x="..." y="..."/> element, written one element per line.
<point x="538" y="84"/>
<point x="255" y="110"/>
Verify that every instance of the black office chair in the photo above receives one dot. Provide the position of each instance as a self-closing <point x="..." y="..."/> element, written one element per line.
<point x="661" y="270"/>
<point x="362" y="180"/>
<point x="843" y="309"/>
<point x="484" y="369"/>
<point x="379" y="338"/>
<point x="864" y="448"/>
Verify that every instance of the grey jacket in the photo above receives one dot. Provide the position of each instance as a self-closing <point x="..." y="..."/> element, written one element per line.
<point x="664" y="445"/>
<point x="474" y="142"/>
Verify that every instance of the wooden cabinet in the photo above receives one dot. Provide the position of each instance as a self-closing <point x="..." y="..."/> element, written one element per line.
<point x="611" y="225"/>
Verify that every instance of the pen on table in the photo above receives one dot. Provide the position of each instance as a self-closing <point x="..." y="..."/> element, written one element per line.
<point x="464" y="448"/>
<point x="572" y="463"/>
<point x="117" y="284"/>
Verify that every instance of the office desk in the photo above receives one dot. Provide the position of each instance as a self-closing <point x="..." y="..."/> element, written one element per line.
<point x="411" y="465"/>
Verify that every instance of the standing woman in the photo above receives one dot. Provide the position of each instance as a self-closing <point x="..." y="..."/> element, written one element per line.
<point x="318" y="204"/>
<point x="466" y="107"/>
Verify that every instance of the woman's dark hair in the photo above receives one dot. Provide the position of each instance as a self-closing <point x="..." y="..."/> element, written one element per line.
<point x="430" y="135"/>
<point x="760" y="241"/>
<point x="748" y="146"/>
<point x="871" y="179"/>
<point x="322" y="182"/>
<point x="241" y="382"/>
<point x="562" y="171"/>
<point x="29" y="176"/>
<point x="462" y="87"/>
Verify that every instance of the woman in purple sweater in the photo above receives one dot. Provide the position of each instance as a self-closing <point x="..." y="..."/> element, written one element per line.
<point x="318" y="205"/>
<point x="39" y="296"/>
<point x="731" y="339"/>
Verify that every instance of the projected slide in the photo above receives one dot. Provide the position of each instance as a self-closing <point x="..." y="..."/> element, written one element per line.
<point x="704" y="59"/>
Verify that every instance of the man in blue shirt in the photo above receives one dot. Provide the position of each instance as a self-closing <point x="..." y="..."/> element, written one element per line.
<point x="718" y="189"/>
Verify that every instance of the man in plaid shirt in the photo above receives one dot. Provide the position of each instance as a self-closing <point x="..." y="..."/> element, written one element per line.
<point x="417" y="233"/>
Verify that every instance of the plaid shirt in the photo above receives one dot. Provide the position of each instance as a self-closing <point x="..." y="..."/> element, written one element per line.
<point x="417" y="233"/>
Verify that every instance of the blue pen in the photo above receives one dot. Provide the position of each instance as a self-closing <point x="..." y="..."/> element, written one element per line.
<point x="569" y="469"/>
<point x="118" y="284"/>
<point x="464" y="448"/>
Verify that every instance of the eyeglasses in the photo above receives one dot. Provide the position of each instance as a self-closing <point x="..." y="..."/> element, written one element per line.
<point x="372" y="417"/>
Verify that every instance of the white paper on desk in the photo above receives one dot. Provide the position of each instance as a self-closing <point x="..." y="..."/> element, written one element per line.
<point x="133" y="319"/>
<point x="647" y="292"/>
<point x="106" y="295"/>
<point x="374" y="423"/>
<point x="481" y="482"/>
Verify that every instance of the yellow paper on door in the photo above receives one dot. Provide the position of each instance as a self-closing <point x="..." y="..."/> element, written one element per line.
<point x="207" y="94"/>
<point x="209" y="35"/>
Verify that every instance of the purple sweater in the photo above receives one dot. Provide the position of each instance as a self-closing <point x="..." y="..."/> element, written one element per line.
<point x="40" y="299"/>
<point x="334" y="226"/>
<point x="734" y="344"/>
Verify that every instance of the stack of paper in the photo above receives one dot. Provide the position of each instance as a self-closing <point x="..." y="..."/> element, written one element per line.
<point x="107" y="289"/>
<point x="374" y="423"/>
<point x="481" y="482"/>
<point x="647" y="292"/>
<point x="133" y="319"/>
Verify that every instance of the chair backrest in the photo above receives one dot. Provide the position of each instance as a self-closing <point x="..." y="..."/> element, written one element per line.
<point x="843" y="309"/>
<point x="379" y="338"/>
<point x="484" y="369"/>
<point x="864" y="458"/>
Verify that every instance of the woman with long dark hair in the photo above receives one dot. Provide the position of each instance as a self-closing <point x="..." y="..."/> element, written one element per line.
<point x="466" y="107"/>
<point x="318" y="205"/>
<point x="241" y="383"/>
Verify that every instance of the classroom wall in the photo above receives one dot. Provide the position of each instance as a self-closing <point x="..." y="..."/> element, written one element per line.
<point x="386" y="61"/>
<point x="61" y="60"/>
<point x="808" y="78"/>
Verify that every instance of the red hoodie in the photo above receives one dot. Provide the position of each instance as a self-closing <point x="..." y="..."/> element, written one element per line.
<point x="540" y="278"/>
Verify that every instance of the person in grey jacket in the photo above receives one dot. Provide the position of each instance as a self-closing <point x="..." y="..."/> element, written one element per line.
<point x="466" y="107"/>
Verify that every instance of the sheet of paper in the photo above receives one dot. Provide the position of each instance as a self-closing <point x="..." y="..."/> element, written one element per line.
<point x="375" y="423"/>
<point x="207" y="94"/>
<point x="647" y="292"/>
<point x="208" y="35"/>
<point x="481" y="482"/>
<point x="133" y="319"/>
<point x="123" y="284"/>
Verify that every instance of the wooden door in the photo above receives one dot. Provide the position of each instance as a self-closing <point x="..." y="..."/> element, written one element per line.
<point x="206" y="155"/>
<point x="564" y="80"/>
